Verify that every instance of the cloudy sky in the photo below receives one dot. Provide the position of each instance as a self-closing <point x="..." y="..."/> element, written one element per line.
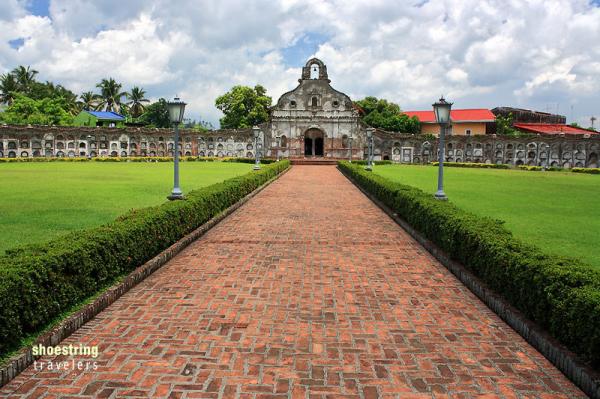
<point x="540" y="54"/>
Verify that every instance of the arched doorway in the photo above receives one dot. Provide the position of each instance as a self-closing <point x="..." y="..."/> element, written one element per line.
<point x="313" y="143"/>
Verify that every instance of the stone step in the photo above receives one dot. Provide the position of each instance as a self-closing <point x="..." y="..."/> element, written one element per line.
<point x="314" y="161"/>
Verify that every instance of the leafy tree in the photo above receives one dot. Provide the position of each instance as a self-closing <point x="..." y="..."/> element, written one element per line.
<point x="504" y="126"/>
<point x="110" y="95"/>
<point x="47" y="111"/>
<point x="8" y="87"/>
<point x="25" y="77"/>
<point x="137" y="98"/>
<point x="244" y="106"/>
<point x="157" y="114"/>
<point x="200" y="125"/>
<point x="386" y="115"/>
<point x="40" y="91"/>
<point x="88" y="101"/>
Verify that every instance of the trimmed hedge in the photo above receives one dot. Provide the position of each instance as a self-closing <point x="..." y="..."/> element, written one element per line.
<point x="264" y="161"/>
<point x="473" y="165"/>
<point x="534" y="168"/>
<point x="39" y="282"/>
<point x="560" y="294"/>
<point x="364" y="162"/>
<point x="592" y="171"/>
<point x="135" y="159"/>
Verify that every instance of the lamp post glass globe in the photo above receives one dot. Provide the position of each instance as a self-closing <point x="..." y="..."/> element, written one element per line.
<point x="256" y="131"/>
<point x="441" y="109"/>
<point x="176" y="109"/>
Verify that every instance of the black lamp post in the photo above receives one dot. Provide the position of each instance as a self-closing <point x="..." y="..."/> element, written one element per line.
<point x="176" y="109"/>
<point x="350" y="139"/>
<point x="278" y="145"/>
<point x="256" y="131"/>
<point x="441" y="109"/>
<point x="369" y="166"/>
<point x="89" y="137"/>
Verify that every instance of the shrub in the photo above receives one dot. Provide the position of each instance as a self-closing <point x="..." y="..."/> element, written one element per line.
<point x="531" y="168"/>
<point x="560" y="294"/>
<point x="39" y="282"/>
<point x="473" y="165"/>
<point x="593" y="171"/>
<point x="136" y="159"/>
<point x="364" y="162"/>
<point x="249" y="160"/>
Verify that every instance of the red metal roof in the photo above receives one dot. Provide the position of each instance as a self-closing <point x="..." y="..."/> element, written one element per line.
<point x="551" y="128"/>
<point x="457" y="115"/>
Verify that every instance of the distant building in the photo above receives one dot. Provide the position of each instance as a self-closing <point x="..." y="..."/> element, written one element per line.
<point x="99" y="119"/>
<point x="551" y="128"/>
<point x="520" y="115"/>
<point x="543" y="123"/>
<point x="465" y="122"/>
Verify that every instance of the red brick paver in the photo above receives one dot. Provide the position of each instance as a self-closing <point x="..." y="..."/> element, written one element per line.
<point x="307" y="291"/>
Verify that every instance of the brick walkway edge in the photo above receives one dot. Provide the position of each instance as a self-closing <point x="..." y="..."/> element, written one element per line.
<point x="308" y="290"/>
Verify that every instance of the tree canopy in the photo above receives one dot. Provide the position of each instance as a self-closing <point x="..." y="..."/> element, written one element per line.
<point x="157" y="114"/>
<point x="137" y="98"/>
<point x="244" y="107"/>
<point x="21" y="82"/>
<point x="47" y="111"/>
<point x="504" y="126"/>
<point x="110" y="95"/>
<point x="386" y="115"/>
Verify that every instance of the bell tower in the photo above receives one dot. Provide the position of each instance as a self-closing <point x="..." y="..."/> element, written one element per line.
<point x="314" y="69"/>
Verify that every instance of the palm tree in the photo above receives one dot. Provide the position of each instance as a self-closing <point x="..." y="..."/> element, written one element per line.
<point x="8" y="87"/>
<point x="71" y="105"/>
<point x="88" y="101"/>
<point x="136" y="99"/>
<point x="110" y="95"/>
<point x="25" y="77"/>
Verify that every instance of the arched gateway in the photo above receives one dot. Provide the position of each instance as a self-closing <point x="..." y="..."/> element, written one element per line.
<point x="313" y="143"/>
<point x="315" y="118"/>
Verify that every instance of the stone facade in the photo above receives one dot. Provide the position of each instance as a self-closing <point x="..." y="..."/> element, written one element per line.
<point x="314" y="119"/>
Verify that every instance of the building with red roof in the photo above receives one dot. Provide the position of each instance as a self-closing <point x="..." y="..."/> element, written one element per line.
<point x="552" y="128"/>
<point x="464" y="122"/>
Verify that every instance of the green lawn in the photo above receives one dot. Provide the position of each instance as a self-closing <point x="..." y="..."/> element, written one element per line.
<point x="39" y="201"/>
<point x="557" y="211"/>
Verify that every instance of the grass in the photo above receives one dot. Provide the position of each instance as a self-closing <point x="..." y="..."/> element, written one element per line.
<point x="557" y="211"/>
<point x="40" y="201"/>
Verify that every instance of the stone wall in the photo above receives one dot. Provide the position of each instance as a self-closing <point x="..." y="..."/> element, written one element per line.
<point x="42" y="141"/>
<point x="562" y="151"/>
<point x="45" y="141"/>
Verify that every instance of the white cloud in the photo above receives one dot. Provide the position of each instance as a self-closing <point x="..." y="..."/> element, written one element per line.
<point x="477" y="52"/>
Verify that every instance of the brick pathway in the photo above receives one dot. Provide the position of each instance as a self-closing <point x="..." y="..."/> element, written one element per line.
<point x="307" y="291"/>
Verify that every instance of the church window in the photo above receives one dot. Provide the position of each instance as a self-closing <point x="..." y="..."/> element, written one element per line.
<point x="293" y="104"/>
<point x="314" y="102"/>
